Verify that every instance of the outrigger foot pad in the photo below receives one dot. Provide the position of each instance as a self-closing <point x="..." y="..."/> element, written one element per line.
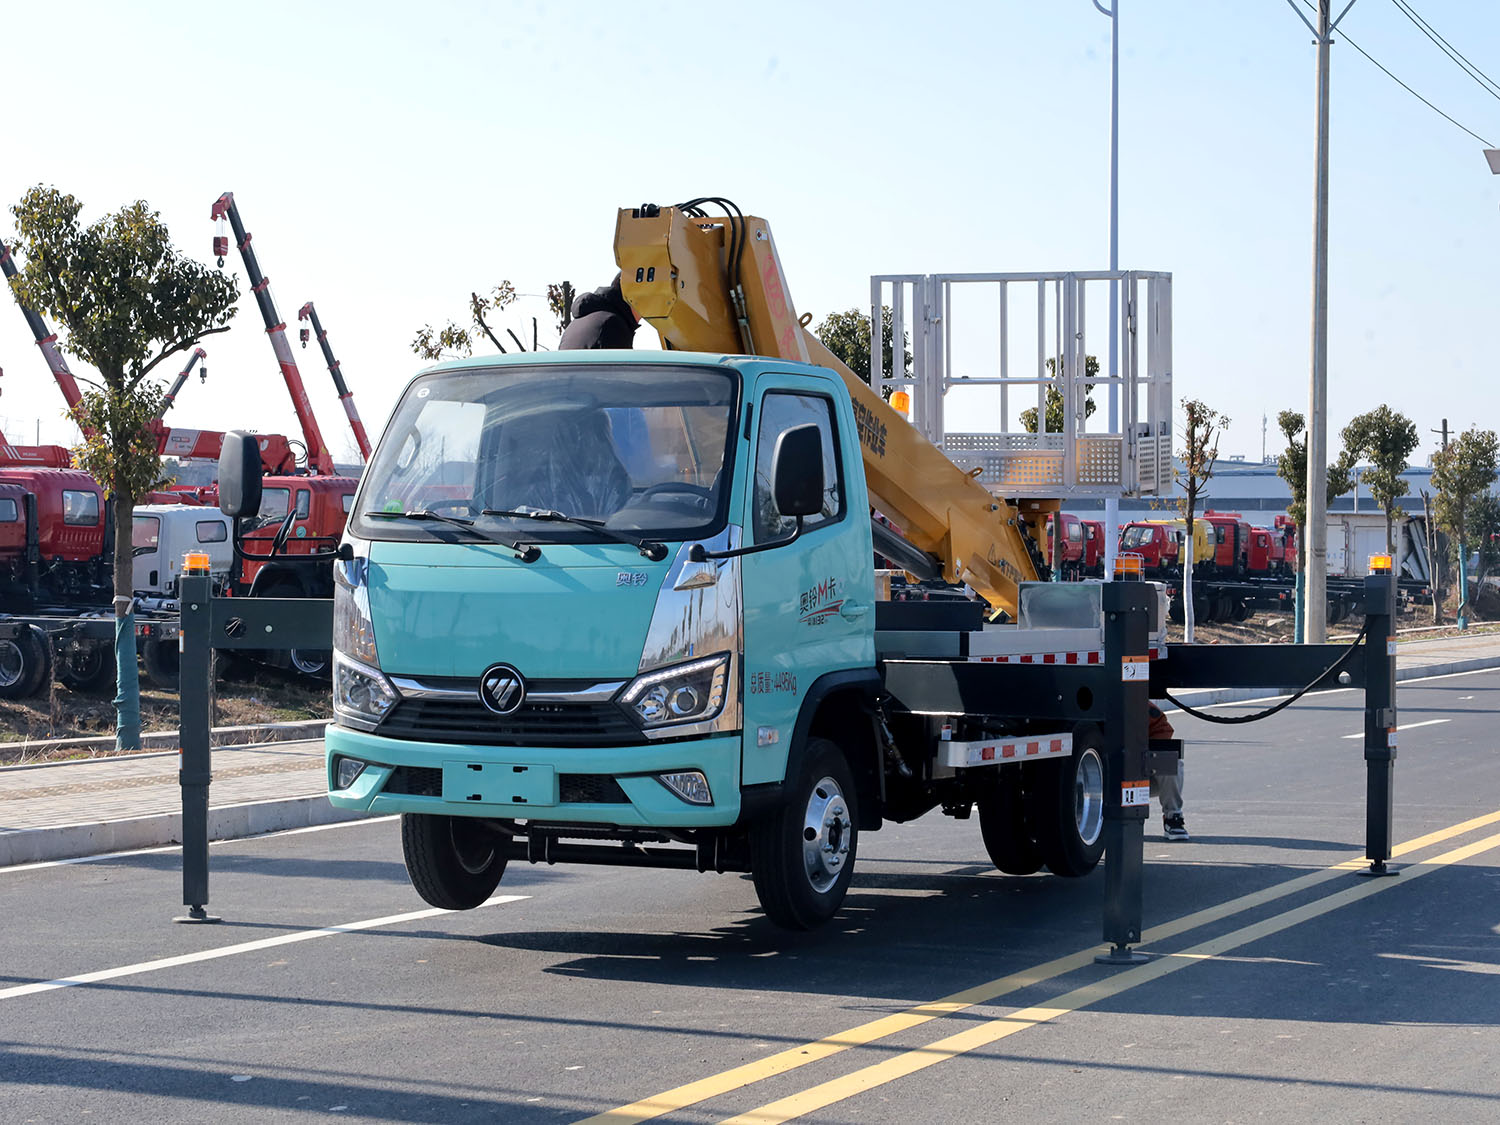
<point x="1122" y="955"/>
<point x="197" y="916"/>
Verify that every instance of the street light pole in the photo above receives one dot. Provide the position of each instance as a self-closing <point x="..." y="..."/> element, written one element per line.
<point x="1112" y="503"/>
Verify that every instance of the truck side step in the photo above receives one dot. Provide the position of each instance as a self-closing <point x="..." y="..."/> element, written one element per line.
<point x="545" y="847"/>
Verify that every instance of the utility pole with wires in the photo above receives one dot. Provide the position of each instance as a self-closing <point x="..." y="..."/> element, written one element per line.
<point x="1112" y="503"/>
<point x="1315" y="557"/>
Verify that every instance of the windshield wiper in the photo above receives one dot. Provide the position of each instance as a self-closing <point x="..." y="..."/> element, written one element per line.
<point x="526" y="552"/>
<point x="647" y="547"/>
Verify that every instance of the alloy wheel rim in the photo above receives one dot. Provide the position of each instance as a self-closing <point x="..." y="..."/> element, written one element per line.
<point x="1088" y="796"/>
<point x="827" y="833"/>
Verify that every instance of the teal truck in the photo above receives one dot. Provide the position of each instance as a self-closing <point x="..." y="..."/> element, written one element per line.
<point x="623" y="608"/>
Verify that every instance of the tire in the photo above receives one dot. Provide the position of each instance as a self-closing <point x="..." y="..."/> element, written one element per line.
<point x="315" y="664"/>
<point x="160" y="659"/>
<point x="25" y="663"/>
<point x="1007" y="829"/>
<point x="1066" y="805"/>
<point x="802" y="856"/>
<point x="90" y="668"/>
<point x="453" y="863"/>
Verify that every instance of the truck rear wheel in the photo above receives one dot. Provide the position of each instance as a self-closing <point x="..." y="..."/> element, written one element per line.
<point x="1067" y="807"/>
<point x="802" y="856"/>
<point x="88" y="668"/>
<point x="160" y="658"/>
<point x="453" y="862"/>
<point x="25" y="663"/>
<point x="1006" y="830"/>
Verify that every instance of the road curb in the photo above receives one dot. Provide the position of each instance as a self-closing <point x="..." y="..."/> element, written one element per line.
<point x="1212" y="696"/>
<point x="295" y="731"/>
<point x="225" y="822"/>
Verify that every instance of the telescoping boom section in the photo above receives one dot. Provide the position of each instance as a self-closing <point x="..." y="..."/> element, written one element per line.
<point x="346" y="396"/>
<point x="224" y="209"/>
<point x="714" y="284"/>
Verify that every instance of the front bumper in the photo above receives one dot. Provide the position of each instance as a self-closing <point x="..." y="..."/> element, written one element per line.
<point x="535" y="783"/>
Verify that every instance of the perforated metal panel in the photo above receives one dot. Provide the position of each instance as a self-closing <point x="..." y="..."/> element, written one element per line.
<point x="1021" y="340"/>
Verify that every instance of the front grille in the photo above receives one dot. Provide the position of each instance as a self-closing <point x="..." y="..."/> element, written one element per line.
<point x="590" y="789"/>
<point x="415" y="781"/>
<point x="535" y="724"/>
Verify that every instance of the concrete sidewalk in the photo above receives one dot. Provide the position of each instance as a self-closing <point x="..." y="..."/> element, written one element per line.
<point x="69" y="809"/>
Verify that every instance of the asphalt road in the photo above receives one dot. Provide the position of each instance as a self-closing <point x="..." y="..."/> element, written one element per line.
<point x="1287" y="987"/>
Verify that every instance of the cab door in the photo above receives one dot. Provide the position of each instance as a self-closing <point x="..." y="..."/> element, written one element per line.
<point x="809" y="606"/>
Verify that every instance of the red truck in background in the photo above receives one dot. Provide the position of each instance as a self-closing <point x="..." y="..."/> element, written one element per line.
<point x="1285" y="533"/>
<point x="1082" y="547"/>
<point x="1231" y="542"/>
<point x="63" y="539"/>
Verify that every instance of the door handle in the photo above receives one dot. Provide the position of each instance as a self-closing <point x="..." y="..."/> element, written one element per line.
<point x="853" y="611"/>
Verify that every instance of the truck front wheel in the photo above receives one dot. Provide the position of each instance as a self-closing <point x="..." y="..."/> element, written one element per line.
<point x="802" y="856"/>
<point x="453" y="862"/>
<point x="1067" y="807"/>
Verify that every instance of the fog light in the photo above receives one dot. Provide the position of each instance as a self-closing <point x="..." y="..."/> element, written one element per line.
<point x="690" y="785"/>
<point x="346" y="771"/>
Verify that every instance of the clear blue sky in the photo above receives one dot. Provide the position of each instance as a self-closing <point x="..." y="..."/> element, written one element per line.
<point x="389" y="158"/>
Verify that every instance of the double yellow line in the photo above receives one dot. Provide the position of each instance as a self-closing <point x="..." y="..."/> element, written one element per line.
<point x="980" y="1035"/>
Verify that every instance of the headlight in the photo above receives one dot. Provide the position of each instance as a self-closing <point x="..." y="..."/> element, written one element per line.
<point x="361" y="696"/>
<point x="685" y="693"/>
<point x="353" y="631"/>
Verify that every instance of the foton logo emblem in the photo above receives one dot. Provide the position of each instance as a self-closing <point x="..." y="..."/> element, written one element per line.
<point x="501" y="689"/>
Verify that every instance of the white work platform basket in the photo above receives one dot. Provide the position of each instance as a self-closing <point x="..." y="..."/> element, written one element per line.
<point x="1008" y="353"/>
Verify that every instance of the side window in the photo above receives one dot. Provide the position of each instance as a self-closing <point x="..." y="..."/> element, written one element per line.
<point x="781" y="411"/>
<point x="81" y="508"/>
<point x="304" y="503"/>
<point x="9" y="513"/>
<point x="348" y="502"/>
<point x="212" y="531"/>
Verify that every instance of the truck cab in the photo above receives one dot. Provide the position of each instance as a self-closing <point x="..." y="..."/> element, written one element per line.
<point x="1231" y="537"/>
<point x="1075" y="546"/>
<point x="570" y="642"/>
<point x="162" y="533"/>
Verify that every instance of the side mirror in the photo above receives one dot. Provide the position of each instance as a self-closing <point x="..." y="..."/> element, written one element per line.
<point x="239" y="475"/>
<point x="797" y="471"/>
<point x="796" y="488"/>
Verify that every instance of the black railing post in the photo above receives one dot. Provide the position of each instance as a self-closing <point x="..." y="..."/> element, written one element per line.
<point x="1127" y="660"/>
<point x="195" y="686"/>
<point x="1380" y="720"/>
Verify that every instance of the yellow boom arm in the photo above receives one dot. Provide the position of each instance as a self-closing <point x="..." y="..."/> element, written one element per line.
<point x="676" y="273"/>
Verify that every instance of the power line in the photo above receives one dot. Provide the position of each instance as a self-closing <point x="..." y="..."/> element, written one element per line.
<point x="1408" y="89"/>
<point x="1486" y="83"/>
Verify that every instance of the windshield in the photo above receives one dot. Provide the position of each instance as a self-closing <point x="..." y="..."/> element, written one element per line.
<point x="145" y="533"/>
<point x="640" y="448"/>
<point x="1136" y="537"/>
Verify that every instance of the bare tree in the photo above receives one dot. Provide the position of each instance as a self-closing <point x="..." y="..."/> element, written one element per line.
<point x="1202" y="426"/>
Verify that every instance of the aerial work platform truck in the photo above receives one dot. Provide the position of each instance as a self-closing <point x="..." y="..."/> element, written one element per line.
<point x="621" y="607"/>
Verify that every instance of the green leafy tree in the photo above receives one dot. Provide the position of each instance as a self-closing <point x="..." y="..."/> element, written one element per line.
<point x="452" y="339"/>
<point x="126" y="301"/>
<point x="1054" y="399"/>
<point x="1484" y="525"/>
<point x="1461" y="475"/>
<point x="1385" y="438"/>
<point x="847" y="335"/>
<point x="1202" y="427"/>
<point x="1291" y="466"/>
